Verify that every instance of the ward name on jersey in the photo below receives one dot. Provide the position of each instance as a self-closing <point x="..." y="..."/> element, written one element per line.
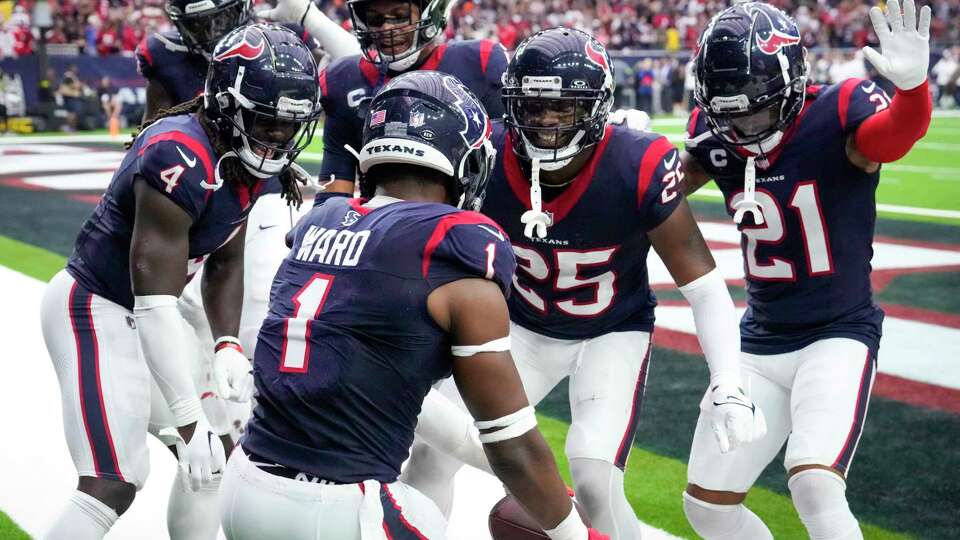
<point x="348" y="345"/>
<point x="588" y="277"/>
<point x="808" y="265"/>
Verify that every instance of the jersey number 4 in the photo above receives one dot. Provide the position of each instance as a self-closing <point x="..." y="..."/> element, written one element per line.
<point x="307" y="304"/>
<point x="806" y="203"/>
<point x="566" y="276"/>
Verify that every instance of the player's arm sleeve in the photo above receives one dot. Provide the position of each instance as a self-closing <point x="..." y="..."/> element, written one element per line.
<point x="468" y="245"/>
<point x="884" y="129"/>
<point x="338" y="162"/>
<point x="659" y="180"/>
<point x="493" y="62"/>
<point x="164" y="167"/>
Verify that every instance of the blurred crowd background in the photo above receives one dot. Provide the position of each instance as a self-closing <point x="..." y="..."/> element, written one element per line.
<point x="651" y="42"/>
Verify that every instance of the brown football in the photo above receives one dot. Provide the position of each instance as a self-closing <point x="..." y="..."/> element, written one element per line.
<point x="509" y="521"/>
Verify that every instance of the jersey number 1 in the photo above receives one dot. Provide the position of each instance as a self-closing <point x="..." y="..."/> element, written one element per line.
<point x="307" y="304"/>
<point x="806" y="203"/>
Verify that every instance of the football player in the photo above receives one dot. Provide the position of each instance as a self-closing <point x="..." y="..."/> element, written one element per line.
<point x="110" y="319"/>
<point x="175" y="62"/>
<point x="798" y="166"/>
<point x="395" y="36"/>
<point x="582" y="202"/>
<point x="377" y="300"/>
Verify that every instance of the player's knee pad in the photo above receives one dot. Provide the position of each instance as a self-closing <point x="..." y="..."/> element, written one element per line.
<point x="820" y="498"/>
<point x="723" y="521"/>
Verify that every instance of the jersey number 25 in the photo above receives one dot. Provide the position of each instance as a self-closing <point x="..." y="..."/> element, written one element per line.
<point x="566" y="276"/>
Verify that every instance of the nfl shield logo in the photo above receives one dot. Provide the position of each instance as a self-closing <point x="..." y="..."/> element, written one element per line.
<point x="378" y="117"/>
<point x="416" y="119"/>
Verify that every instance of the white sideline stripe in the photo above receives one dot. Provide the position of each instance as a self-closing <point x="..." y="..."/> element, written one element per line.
<point x="922" y="352"/>
<point x="891" y="208"/>
<point x="38" y="475"/>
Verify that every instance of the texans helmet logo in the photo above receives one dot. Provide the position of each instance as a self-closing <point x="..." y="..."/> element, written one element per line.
<point x="775" y="39"/>
<point x="242" y="49"/>
<point x="478" y="124"/>
<point x="595" y="54"/>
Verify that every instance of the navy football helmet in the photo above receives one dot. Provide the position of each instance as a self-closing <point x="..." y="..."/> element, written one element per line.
<point x="561" y="73"/>
<point x="751" y="75"/>
<point x="380" y="33"/>
<point x="262" y="95"/>
<point x="202" y="23"/>
<point x="432" y="120"/>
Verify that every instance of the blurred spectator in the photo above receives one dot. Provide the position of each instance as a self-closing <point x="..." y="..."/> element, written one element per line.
<point x="645" y="77"/>
<point x="944" y="75"/>
<point x="71" y="92"/>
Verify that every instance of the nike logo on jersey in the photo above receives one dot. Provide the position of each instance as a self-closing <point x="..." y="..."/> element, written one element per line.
<point x="496" y="233"/>
<point x="870" y="87"/>
<point x="190" y="162"/>
<point x="265" y="227"/>
<point x="669" y="163"/>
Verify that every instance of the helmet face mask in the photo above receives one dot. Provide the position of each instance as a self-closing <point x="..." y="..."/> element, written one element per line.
<point x="557" y="92"/>
<point x="203" y="23"/>
<point x="262" y="95"/>
<point x="393" y="32"/>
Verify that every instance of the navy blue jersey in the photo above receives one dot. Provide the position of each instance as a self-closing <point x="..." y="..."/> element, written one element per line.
<point x="348" y="350"/>
<point x="174" y="157"/>
<point x="808" y="265"/>
<point x="348" y="85"/>
<point x="163" y="58"/>
<point x="589" y="276"/>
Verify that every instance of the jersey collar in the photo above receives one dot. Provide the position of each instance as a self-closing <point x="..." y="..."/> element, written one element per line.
<point x="372" y="73"/>
<point x="564" y="203"/>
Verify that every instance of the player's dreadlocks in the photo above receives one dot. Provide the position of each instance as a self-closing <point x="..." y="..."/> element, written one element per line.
<point x="232" y="167"/>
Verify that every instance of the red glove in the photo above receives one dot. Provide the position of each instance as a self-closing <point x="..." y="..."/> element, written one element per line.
<point x="592" y="534"/>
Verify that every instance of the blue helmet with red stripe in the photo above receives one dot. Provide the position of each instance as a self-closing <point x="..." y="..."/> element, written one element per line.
<point x="557" y="92"/>
<point x="262" y="94"/>
<point x="430" y="119"/>
<point x="751" y="75"/>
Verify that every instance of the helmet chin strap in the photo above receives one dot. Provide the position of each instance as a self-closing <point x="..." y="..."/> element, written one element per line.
<point x="535" y="220"/>
<point x="749" y="202"/>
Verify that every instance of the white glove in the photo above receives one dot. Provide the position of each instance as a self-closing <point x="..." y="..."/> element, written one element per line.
<point x="905" y="44"/>
<point x="735" y="419"/>
<point x="632" y="118"/>
<point x="287" y="11"/>
<point x="200" y="459"/>
<point x="232" y="372"/>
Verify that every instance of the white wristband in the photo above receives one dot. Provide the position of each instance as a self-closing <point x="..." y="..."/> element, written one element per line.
<point x="571" y="528"/>
<point x="160" y="333"/>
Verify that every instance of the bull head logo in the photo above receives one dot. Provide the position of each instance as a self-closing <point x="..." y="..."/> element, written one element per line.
<point x="243" y="49"/>
<point x="775" y="40"/>
<point x="596" y="54"/>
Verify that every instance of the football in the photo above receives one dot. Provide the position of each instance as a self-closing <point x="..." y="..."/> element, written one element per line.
<point x="509" y="521"/>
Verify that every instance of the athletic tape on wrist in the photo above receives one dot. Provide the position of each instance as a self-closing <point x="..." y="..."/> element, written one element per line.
<point x="227" y="341"/>
<point x="571" y="528"/>
<point x="497" y="345"/>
